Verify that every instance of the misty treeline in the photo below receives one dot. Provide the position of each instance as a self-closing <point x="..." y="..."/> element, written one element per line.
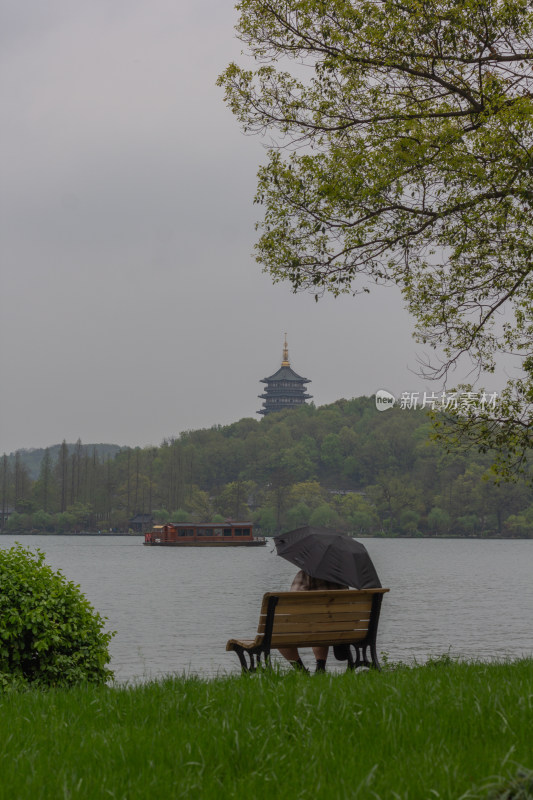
<point x="344" y="465"/>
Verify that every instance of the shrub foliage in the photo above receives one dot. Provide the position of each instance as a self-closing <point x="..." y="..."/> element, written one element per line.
<point x="50" y="635"/>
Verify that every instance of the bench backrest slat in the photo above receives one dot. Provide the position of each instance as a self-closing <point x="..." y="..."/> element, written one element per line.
<point x="325" y="638"/>
<point x="291" y="606"/>
<point x="326" y="617"/>
<point x="332" y="618"/>
<point x="290" y="625"/>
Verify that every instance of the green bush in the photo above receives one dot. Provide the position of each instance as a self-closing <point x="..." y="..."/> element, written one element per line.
<point x="50" y="635"/>
<point x="265" y="519"/>
<point x="409" y="522"/>
<point x="324" y="517"/>
<point x="18" y="522"/>
<point x="180" y="515"/>
<point x="297" y="516"/>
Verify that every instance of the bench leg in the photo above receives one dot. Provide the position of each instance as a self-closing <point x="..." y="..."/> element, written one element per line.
<point x="245" y="667"/>
<point x="267" y="663"/>
<point x="361" y="658"/>
<point x="353" y="663"/>
<point x="349" y="658"/>
<point x="254" y="659"/>
<point x="375" y="659"/>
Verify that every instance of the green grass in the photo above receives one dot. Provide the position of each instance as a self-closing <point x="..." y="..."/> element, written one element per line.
<point x="445" y="730"/>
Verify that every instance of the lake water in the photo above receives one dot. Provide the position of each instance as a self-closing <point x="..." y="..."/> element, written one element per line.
<point x="175" y="608"/>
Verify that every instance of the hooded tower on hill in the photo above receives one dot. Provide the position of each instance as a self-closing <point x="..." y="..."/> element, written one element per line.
<point x="284" y="389"/>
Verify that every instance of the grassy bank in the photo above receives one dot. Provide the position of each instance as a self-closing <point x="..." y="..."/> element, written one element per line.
<point x="444" y="730"/>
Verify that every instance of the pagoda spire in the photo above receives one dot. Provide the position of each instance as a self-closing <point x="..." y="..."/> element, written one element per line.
<point x="285" y="362"/>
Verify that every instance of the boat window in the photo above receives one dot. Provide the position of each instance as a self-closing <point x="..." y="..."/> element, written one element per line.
<point x="227" y="531"/>
<point x="242" y="531"/>
<point x="217" y="531"/>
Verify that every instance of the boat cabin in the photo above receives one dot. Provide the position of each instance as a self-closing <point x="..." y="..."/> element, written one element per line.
<point x="183" y="533"/>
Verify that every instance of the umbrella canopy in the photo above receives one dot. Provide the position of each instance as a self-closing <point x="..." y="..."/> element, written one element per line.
<point x="328" y="555"/>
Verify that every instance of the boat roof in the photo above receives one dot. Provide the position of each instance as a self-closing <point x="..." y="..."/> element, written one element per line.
<point x="226" y="524"/>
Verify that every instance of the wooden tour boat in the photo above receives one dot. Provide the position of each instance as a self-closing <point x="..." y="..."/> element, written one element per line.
<point x="204" y="534"/>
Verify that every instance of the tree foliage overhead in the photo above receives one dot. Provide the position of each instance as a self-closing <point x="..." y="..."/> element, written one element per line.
<point x="402" y="151"/>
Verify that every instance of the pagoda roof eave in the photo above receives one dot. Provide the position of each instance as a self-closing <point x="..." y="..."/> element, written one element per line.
<point x="285" y="374"/>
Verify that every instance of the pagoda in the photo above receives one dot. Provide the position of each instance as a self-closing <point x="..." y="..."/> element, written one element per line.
<point x="284" y="389"/>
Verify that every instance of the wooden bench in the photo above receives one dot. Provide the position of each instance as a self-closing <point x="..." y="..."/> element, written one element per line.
<point x="344" y="619"/>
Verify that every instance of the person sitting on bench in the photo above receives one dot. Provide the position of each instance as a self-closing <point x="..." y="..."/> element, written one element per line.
<point x="305" y="583"/>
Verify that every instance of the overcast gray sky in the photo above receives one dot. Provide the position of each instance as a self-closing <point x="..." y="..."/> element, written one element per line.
<point x="131" y="305"/>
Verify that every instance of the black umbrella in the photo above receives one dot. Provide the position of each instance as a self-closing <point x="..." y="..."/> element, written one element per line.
<point x="328" y="555"/>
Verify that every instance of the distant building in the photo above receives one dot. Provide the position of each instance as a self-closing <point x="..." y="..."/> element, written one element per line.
<point x="284" y="389"/>
<point x="141" y="522"/>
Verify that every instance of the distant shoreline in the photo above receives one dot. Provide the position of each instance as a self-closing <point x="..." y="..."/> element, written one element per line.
<point x="360" y="536"/>
<point x="68" y="533"/>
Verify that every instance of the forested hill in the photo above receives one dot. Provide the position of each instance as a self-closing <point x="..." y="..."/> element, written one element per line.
<point x="344" y="465"/>
<point x="32" y="457"/>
